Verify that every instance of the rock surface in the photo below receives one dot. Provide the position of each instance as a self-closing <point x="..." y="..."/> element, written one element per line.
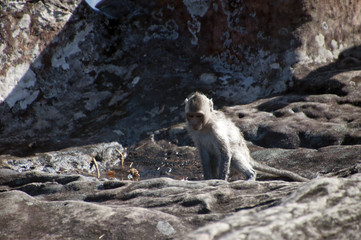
<point x="86" y="93"/>
<point x="36" y="205"/>
<point x="108" y="154"/>
<point x="324" y="208"/>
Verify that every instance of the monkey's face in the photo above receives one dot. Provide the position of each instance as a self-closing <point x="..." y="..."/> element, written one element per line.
<point x="196" y="120"/>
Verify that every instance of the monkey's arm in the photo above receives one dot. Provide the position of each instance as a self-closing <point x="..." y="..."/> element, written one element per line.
<point x="278" y="172"/>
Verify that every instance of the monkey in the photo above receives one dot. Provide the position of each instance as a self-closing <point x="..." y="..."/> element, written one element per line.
<point x="221" y="144"/>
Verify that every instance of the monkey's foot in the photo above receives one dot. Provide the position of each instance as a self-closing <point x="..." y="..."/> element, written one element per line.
<point x="251" y="175"/>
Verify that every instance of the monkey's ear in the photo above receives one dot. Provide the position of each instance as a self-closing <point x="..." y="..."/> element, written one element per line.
<point x="211" y="104"/>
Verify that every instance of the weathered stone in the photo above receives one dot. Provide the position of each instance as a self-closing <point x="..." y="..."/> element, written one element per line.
<point x="74" y="206"/>
<point x="26" y="217"/>
<point x="324" y="208"/>
<point x="291" y="121"/>
<point x="70" y="160"/>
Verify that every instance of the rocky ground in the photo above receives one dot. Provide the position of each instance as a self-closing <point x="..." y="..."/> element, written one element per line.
<point x="92" y="138"/>
<point x="38" y="205"/>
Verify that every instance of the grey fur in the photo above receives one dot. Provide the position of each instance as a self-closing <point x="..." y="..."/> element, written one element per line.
<point x="221" y="145"/>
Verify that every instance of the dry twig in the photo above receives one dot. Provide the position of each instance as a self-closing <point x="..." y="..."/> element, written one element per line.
<point x="96" y="166"/>
<point x="122" y="156"/>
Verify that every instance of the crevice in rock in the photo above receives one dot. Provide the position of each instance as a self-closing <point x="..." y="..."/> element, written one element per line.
<point x="265" y="204"/>
<point x="316" y="140"/>
<point x="114" y="184"/>
<point x="351" y="140"/>
<point x="35" y="189"/>
<point x="37" y="178"/>
<point x="100" y="197"/>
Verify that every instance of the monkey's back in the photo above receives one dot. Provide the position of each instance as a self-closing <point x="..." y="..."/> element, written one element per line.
<point x="234" y="139"/>
<point x="224" y="126"/>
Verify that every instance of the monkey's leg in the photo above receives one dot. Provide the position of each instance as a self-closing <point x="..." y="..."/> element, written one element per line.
<point x="206" y="163"/>
<point x="224" y="161"/>
<point x="214" y="167"/>
<point x="241" y="163"/>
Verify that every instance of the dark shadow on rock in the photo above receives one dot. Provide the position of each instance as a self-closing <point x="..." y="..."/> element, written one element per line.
<point x="124" y="83"/>
<point x="87" y="87"/>
<point x="40" y="124"/>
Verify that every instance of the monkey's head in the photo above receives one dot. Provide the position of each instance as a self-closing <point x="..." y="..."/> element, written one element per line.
<point x="198" y="110"/>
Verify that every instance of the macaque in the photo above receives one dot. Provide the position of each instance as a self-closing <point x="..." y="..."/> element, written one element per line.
<point x="221" y="144"/>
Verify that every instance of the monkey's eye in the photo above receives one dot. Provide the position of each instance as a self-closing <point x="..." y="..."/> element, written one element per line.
<point x="190" y="117"/>
<point x="198" y="115"/>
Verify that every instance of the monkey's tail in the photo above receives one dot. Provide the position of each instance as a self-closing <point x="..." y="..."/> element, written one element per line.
<point x="278" y="172"/>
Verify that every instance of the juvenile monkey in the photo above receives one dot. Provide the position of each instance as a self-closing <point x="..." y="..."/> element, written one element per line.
<point x="221" y="144"/>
